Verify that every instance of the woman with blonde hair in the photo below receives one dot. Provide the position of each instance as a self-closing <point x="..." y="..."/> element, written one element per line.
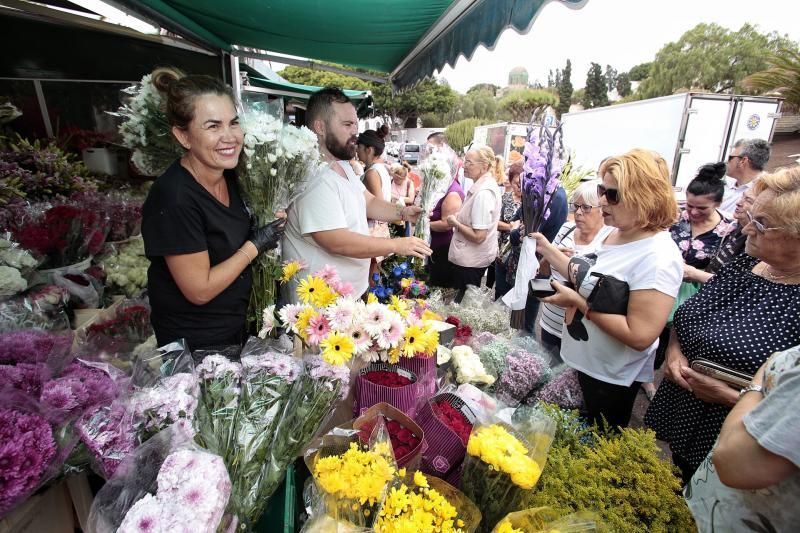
<point x="748" y="310"/>
<point x="474" y="243"/>
<point x="624" y="289"/>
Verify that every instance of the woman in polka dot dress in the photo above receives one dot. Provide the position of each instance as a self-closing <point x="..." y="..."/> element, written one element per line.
<point x="749" y="310"/>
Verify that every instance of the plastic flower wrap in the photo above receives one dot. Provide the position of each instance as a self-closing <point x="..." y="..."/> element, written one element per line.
<point x="525" y="371"/>
<point x="125" y="266"/>
<point x="277" y="162"/>
<point x="172" y="399"/>
<point x="145" y="129"/>
<point x="215" y="416"/>
<point x="352" y="480"/>
<point x="541" y="519"/>
<point x="43" y="307"/>
<point x="14" y="256"/>
<point x="113" y="335"/>
<point x="167" y="484"/>
<point x="426" y="505"/>
<point x="478" y="310"/>
<point x="404" y="434"/>
<point x="122" y="209"/>
<point x="563" y="389"/>
<point x="447" y="421"/>
<point x="502" y="462"/>
<point x="320" y="387"/>
<point x="436" y="178"/>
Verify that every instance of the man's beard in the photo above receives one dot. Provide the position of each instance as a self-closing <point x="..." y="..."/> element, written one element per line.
<point x="345" y="151"/>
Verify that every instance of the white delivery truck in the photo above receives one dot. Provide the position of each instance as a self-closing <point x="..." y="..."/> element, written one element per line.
<point x="688" y="130"/>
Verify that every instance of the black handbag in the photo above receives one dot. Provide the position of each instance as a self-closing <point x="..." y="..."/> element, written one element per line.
<point x="610" y="295"/>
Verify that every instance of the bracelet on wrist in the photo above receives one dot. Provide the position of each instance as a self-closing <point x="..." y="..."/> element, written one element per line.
<point x="249" y="259"/>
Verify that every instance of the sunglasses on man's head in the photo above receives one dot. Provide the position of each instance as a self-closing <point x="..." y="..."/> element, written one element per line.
<point x="612" y="195"/>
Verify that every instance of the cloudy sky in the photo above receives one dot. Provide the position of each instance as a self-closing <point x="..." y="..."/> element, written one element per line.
<point x="621" y="33"/>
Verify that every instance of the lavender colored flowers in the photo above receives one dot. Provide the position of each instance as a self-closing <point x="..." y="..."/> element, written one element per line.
<point x="27" y="448"/>
<point x="108" y="435"/>
<point x="563" y="390"/>
<point x="34" y="346"/>
<point x="525" y="371"/>
<point x="78" y="388"/>
<point x="540" y="174"/>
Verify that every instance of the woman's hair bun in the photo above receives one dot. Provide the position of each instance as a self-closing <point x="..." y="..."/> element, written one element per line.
<point x="163" y="78"/>
<point x="711" y="172"/>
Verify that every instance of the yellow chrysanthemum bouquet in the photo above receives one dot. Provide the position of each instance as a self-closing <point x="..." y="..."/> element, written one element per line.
<point x="546" y="520"/>
<point x="343" y="327"/>
<point x="501" y="462"/>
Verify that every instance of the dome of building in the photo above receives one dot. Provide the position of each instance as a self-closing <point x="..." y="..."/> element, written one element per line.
<point x="518" y="76"/>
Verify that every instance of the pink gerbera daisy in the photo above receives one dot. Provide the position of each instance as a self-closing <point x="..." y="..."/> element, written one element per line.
<point x="342" y="288"/>
<point x="328" y="274"/>
<point x="318" y="328"/>
<point x="361" y="340"/>
<point x="390" y="337"/>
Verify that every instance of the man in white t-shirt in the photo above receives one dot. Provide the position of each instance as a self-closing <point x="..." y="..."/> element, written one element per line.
<point x="746" y="162"/>
<point x="327" y="224"/>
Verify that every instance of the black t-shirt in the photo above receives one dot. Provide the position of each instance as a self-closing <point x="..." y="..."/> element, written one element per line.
<point x="181" y="217"/>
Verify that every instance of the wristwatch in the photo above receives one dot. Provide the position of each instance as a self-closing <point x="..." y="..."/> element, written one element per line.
<point x="751" y="388"/>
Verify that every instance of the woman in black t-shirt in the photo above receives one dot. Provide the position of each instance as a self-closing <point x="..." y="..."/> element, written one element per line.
<point x="197" y="230"/>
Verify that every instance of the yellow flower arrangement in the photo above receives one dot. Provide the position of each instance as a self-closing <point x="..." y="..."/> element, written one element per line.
<point x="290" y="270"/>
<point x="337" y="348"/>
<point x="357" y="476"/>
<point x="372" y="299"/>
<point x="497" y="447"/>
<point x="303" y="318"/>
<point x="506" y="527"/>
<point x="401" y="307"/>
<point x="419" y="339"/>
<point x="417" y="509"/>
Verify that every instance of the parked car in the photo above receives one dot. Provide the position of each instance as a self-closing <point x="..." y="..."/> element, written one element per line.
<point x="411" y="153"/>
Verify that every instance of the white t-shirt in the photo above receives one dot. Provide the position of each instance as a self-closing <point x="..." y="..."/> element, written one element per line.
<point x="651" y="263"/>
<point x="483" y="208"/>
<point x="330" y="202"/>
<point x="732" y="195"/>
<point x="774" y="424"/>
<point x="552" y="319"/>
<point x="386" y="180"/>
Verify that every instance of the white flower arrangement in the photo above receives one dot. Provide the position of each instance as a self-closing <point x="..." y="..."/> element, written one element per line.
<point x="11" y="282"/>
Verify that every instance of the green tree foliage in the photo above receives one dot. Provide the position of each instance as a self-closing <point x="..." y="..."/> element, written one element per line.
<point x="523" y="103"/>
<point x="323" y="78"/>
<point x="596" y="93"/>
<point x="483" y="87"/>
<point x="577" y="96"/>
<point x="427" y="96"/>
<point x="565" y="90"/>
<point x="782" y="76"/>
<point x="711" y="58"/>
<point x="459" y="134"/>
<point x="640" y="71"/>
<point x="623" y="85"/>
<point x="611" y="78"/>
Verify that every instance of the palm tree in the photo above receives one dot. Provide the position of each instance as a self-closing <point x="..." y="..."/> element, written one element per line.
<point x="783" y="77"/>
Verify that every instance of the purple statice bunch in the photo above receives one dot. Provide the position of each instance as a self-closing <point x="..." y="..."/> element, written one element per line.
<point x="27" y="448"/>
<point x="563" y="390"/>
<point x="540" y="174"/>
<point x="171" y="399"/>
<point x="35" y="346"/>
<point x="26" y="377"/>
<point x="108" y="435"/>
<point x="482" y="339"/>
<point x="524" y="372"/>
<point x="193" y="490"/>
<point x="77" y="389"/>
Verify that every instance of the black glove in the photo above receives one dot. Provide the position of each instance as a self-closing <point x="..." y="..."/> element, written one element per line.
<point x="267" y="237"/>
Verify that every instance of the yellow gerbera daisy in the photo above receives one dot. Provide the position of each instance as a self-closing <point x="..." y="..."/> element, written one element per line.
<point x="290" y="270"/>
<point x="371" y="298"/>
<point x="337" y="349"/>
<point x="399" y="306"/>
<point x="414" y="340"/>
<point x="309" y="289"/>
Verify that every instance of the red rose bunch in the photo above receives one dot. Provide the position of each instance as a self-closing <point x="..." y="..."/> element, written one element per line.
<point x="463" y="331"/>
<point x="387" y="379"/>
<point x="453" y="418"/>
<point x="403" y="439"/>
<point x="454" y="320"/>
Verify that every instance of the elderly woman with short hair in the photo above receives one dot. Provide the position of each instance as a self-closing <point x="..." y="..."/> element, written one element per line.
<point x="747" y="311"/>
<point x="611" y="334"/>
<point x="474" y="243"/>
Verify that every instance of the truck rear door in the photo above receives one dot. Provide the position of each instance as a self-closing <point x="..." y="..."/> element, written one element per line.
<point x="754" y="119"/>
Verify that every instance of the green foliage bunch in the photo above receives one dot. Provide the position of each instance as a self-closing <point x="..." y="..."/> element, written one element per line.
<point x="564" y="90"/>
<point x="596" y="92"/>
<point x="459" y="134"/>
<point x="782" y="76"/>
<point x="619" y="476"/>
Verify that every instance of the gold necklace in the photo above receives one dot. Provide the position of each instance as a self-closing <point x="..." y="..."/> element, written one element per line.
<point x="768" y="273"/>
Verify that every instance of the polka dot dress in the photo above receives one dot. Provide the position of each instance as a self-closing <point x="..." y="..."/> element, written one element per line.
<point x="737" y="320"/>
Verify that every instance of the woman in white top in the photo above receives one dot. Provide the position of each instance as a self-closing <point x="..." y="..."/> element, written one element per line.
<point x="474" y="243"/>
<point x="580" y="237"/>
<point x="613" y="352"/>
<point x="369" y="148"/>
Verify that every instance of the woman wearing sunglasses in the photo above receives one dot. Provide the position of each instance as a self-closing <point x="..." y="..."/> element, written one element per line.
<point x="582" y="236"/>
<point x="747" y="311"/>
<point x="614" y="351"/>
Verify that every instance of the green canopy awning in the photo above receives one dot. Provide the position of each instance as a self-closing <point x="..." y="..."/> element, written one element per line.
<point x="407" y="39"/>
<point x="287" y="89"/>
